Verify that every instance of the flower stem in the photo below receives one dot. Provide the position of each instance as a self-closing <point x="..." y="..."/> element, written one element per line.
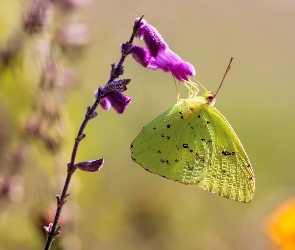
<point x="53" y="230"/>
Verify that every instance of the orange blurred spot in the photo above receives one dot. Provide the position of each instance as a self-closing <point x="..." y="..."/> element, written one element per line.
<point x="280" y="225"/>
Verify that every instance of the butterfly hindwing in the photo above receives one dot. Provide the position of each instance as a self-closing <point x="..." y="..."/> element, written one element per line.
<point x="230" y="174"/>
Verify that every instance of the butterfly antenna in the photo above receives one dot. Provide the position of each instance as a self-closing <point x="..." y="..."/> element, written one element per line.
<point x="227" y="70"/>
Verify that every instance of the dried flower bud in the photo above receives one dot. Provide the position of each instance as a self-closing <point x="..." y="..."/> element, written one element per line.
<point x="90" y="166"/>
<point x="37" y="17"/>
<point x="116" y="72"/>
<point x="125" y="48"/>
<point x="119" y="86"/>
<point x="80" y="138"/>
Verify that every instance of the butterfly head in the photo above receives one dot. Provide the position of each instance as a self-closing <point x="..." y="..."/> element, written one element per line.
<point x="209" y="98"/>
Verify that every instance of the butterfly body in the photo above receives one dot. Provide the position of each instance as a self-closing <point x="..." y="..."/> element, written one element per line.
<point x="192" y="143"/>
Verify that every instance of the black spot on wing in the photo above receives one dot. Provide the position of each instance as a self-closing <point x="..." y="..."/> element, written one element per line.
<point x="225" y="153"/>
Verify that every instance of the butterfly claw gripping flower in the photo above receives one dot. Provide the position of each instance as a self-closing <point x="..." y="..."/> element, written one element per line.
<point x="157" y="54"/>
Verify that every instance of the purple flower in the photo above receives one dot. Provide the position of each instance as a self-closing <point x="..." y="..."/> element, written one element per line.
<point x="112" y="96"/>
<point x="157" y="54"/>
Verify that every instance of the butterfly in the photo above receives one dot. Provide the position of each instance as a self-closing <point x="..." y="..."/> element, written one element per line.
<point x="192" y="143"/>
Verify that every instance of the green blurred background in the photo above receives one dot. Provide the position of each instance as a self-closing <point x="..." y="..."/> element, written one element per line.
<point x="122" y="206"/>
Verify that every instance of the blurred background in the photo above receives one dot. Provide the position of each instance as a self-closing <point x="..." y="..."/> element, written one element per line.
<point x="48" y="74"/>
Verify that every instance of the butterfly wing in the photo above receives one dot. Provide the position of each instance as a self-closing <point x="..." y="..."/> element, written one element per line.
<point x="169" y="145"/>
<point x="230" y="173"/>
<point x="192" y="143"/>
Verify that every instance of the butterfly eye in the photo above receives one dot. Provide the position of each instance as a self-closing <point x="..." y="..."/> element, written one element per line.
<point x="210" y="98"/>
<point x="212" y="101"/>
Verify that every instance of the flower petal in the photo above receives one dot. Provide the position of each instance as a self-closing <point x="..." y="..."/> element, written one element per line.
<point x="170" y="62"/>
<point x="118" y="101"/>
<point x="105" y="103"/>
<point x="153" y="40"/>
<point x="143" y="57"/>
<point x="140" y="55"/>
<point x="182" y="69"/>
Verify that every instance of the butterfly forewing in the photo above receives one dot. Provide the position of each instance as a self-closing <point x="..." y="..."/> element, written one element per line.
<point x="167" y="146"/>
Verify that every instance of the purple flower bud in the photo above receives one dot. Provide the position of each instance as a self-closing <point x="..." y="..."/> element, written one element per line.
<point x="90" y="166"/>
<point x="157" y="55"/>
